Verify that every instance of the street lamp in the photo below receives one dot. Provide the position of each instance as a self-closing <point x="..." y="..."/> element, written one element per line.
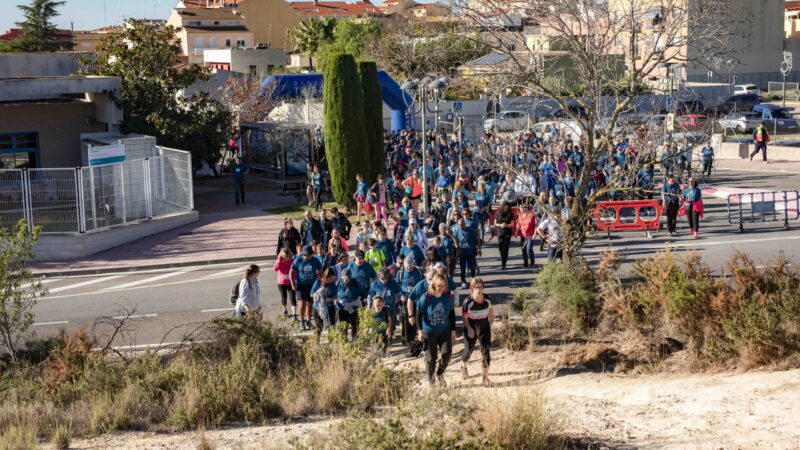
<point x="730" y="65"/>
<point x="428" y="89"/>
<point x="672" y="72"/>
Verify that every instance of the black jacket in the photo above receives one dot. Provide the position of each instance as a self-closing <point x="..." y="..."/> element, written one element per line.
<point x="341" y="223"/>
<point x="289" y="239"/>
<point x="317" y="232"/>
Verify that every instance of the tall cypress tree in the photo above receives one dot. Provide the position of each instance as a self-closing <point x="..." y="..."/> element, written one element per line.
<point x="373" y="117"/>
<point x="345" y="139"/>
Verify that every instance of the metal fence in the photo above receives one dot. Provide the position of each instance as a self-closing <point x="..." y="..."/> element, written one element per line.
<point x="775" y="88"/>
<point x="98" y="197"/>
<point x="762" y="207"/>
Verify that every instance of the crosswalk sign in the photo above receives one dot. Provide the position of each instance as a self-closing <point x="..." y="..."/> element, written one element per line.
<point x="457" y="106"/>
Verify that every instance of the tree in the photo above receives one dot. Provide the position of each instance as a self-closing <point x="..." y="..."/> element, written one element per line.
<point x="345" y="138"/>
<point x="19" y="289"/>
<point x="349" y="36"/>
<point x="149" y="62"/>
<point x="310" y="35"/>
<point x="373" y="117"/>
<point x="612" y="48"/>
<point x="39" y="33"/>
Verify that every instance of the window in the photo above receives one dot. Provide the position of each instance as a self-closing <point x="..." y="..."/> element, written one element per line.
<point x="212" y="43"/>
<point x="195" y="23"/>
<point x="253" y="70"/>
<point x="241" y="43"/>
<point x="216" y="22"/>
<point x="19" y="150"/>
<point x="227" y="43"/>
<point x="199" y="43"/>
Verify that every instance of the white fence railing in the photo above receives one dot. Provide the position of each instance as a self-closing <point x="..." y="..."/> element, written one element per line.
<point x="63" y="201"/>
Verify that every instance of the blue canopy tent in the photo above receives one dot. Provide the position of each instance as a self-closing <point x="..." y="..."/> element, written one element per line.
<point x="284" y="87"/>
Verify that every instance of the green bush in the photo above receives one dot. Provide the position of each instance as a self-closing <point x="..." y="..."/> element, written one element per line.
<point x="572" y="287"/>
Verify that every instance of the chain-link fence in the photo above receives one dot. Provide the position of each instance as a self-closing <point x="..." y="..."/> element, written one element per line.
<point x="97" y="197"/>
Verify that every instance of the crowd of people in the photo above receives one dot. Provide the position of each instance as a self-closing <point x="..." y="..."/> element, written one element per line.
<point x="402" y="261"/>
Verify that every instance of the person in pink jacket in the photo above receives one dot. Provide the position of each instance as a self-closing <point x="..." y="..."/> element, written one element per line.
<point x="282" y="267"/>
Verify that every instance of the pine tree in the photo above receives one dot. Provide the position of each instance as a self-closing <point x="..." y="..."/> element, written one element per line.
<point x="345" y="139"/>
<point x="39" y="33"/>
<point x="373" y="117"/>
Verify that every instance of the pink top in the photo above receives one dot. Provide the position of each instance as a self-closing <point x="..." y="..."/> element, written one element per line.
<point x="282" y="267"/>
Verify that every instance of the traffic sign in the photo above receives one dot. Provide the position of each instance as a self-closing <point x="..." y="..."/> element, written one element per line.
<point x="458" y="106"/>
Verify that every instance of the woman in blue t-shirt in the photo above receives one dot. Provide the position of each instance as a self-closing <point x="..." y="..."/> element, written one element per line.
<point x="360" y="196"/>
<point x="437" y="326"/>
<point x="693" y="207"/>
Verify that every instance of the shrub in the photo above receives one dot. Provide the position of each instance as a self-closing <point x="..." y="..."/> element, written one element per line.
<point x="21" y="436"/>
<point x="60" y="436"/>
<point x="515" y="336"/>
<point x="572" y="286"/>
<point x="520" y="421"/>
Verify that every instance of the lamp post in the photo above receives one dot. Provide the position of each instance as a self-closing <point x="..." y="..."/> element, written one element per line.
<point x="429" y="89"/>
<point x="729" y="63"/>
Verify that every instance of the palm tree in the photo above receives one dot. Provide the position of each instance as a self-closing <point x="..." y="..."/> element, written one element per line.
<point x="309" y="36"/>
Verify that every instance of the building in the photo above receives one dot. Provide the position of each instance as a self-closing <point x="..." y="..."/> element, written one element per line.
<point x="209" y="28"/>
<point x="44" y="109"/>
<point x="430" y="12"/>
<point x="791" y="26"/>
<point x="339" y="10"/>
<point x="87" y="41"/>
<point x="250" y="61"/>
<point x="756" y="44"/>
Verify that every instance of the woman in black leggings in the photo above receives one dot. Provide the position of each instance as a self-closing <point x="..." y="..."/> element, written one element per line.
<point x="478" y="315"/>
<point x="504" y="221"/>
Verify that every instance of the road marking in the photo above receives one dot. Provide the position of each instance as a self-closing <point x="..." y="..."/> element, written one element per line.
<point x="84" y="283"/>
<point x="42" y="324"/>
<point x="40" y="280"/>
<point x="699" y="243"/>
<point x="217" y="310"/>
<point x="146" y="280"/>
<point x="225" y="272"/>
<point x="137" y="316"/>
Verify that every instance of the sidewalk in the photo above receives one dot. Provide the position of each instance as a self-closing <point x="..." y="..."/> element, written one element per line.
<point x="756" y="165"/>
<point x="224" y="233"/>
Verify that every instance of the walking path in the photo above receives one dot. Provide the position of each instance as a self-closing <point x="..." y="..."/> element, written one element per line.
<point x="745" y="165"/>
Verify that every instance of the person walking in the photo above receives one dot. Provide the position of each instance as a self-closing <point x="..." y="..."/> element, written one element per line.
<point x="360" y="196"/>
<point x="289" y="238"/>
<point x="348" y="301"/>
<point x="311" y="229"/>
<point x="670" y="198"/>
<point x="379" y="195"/>
<point x="317" y="182"/>
<point x="550" y="231"/>
<point x="693" y="207"/>
<point x="407" y="277"/>
<point x="239" y="168"/>
<point x="527" y="230"/>
<point x="305" y="271"/>
<point x="504" y="222"/>
<point x="437" y="328"/>
<point x="707" y="155"/>
<point x="248" y="304"/>
<point x="283" y="269"/>
<point x="467" y="240"/>
<point x="761" y="138"/>
<point x="478" y="315"/>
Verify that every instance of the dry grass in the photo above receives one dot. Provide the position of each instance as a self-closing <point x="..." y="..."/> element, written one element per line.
<point x="60" y="436"/>
<point x="202" y="441"/>
<point x="519" y="420"/>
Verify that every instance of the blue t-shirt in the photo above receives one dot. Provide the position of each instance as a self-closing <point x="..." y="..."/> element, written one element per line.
<point x="708" y="154"/>
<point x="316" y="180"/>
<point x="330" y="290"/>
<point x="363" y="274"/>
<point x="238" y="171"/>
<point x="388" y="291"/>
<point x="448" y="247"/>
<point x="672" y="191"/>
<point x="435" y="313"/>
<point x="361" y="189"/>
<point x="691" y="194"/>
<point x="387" y="247"/>
<point x="413" y="252"/>
<point x="307" y="271"/>
<point x="347" y="292"/>
<point x="467" y="241"/>
<point x="482" y="199"/>
<point x="407" y="280"/>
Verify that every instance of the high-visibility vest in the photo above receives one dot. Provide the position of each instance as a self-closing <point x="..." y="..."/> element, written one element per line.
<point x="761" y="134"/>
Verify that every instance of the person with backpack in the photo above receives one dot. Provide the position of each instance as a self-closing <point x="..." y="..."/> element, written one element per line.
<point x="305" y="271"/>
<point x="289" y="238"/>
<point x="248" y="304"/>
<point x="437" y="328"/>
<point x="478" y="315"/>
<point x="324" y="295"/>
<point x="283" y="269"/>
<point x="407" y="278"/>
<point x="761" y="138"/>
<point x="348" y="301"/>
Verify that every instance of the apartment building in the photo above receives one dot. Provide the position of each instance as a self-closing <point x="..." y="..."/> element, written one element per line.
<point x="209" y="28"/>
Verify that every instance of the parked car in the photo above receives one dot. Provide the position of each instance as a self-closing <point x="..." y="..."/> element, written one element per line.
<point x="506" y="121"/>
<point x="777" y="118"/>
<point x="569" y="128"/>
<point x="741" y="89"/>
<point x="736" y="103"/>
<point x="692" y="122"/>
<point x="740" y="122"/>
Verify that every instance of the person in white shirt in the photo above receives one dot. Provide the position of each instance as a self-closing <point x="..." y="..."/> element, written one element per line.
<point x="550" y="231"/>
<point x="418" y="234"/>
<point x="248" y="303"/>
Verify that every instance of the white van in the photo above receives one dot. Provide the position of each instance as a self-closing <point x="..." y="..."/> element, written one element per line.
<point x="569" y="128"/>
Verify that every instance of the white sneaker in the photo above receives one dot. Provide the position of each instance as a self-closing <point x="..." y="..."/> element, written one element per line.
<point x="463" y="285"/>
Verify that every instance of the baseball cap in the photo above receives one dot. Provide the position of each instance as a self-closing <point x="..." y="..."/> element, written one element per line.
<point x="412" y="222"/>
<point x="307" y="251"/>
<point x="359" y="254"/>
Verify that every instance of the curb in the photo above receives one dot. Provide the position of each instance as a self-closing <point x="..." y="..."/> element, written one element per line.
<point x="122" y="269"/>
<point x="759" y="170"/>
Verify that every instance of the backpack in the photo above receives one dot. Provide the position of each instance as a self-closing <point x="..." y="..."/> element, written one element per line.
<point x="235" y="293"/>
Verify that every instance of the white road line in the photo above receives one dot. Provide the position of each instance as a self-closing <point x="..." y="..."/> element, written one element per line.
<point x="225" y="272"/>
<point x="84" y="283"/>
<point x="146" y="280"/>
<point x="42" y="324"/>
<point x="217" y="310"/>
<point x="41" y="280"/>
<point x="138" y="316"/>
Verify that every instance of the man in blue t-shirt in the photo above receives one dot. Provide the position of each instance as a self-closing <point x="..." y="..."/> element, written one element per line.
<point x="363" y="273"/>
<point x="467" y="240"/>
<point x="304" y="272"/>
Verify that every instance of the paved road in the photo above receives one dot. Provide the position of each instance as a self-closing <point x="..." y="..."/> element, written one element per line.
<point x="169" y="303"/>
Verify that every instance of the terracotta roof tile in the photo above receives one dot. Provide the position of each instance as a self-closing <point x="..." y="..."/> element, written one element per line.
<point x="323" y="8"/>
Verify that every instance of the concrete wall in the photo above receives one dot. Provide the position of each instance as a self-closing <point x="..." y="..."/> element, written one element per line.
<point x="242" y="59"/>
<point x="59" y="125"/>
<point x="63" y="247"/>
<point x="27" y="89"/>
<point x="24" y="65"/>
<point x="735" y="150"/>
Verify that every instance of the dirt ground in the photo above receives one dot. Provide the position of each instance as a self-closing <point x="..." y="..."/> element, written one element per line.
<point x="752" y="410"/>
